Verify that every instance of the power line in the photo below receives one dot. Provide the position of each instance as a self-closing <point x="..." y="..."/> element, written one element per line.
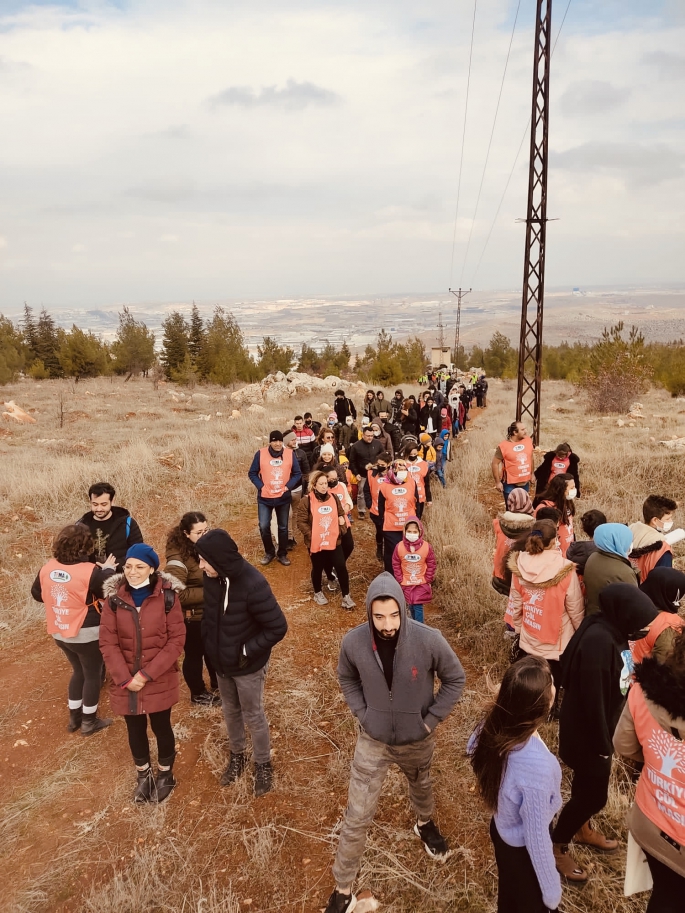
<point x="492" y="133"/>
<point x="513" y="167"/>
<point x="463" y="138"/>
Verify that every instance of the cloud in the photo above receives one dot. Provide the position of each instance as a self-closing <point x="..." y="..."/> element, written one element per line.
<point x="176" y="131"/>
<point x="669" y="66"/>
<point x="592" y="96"/>
<point x="163" y="190"/>
<point x="294" y="97"/>
<point x="635" y="163"/>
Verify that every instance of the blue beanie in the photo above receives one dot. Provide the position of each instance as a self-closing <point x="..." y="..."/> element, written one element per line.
<point x="146" y="553"/>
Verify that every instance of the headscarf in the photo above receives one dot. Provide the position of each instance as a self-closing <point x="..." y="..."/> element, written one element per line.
<point x="519" y="502"/>
<point x="665" y="586"/>
<point x="614" y="538"/>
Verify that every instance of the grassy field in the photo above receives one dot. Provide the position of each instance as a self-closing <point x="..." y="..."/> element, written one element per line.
<point x="71" y="841"/>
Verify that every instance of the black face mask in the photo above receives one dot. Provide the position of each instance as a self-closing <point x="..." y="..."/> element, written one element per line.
<point x="413" y="459"/>
<point x="308" y="423"/>
<point x="332" y="484"/>
<point x="319" y="496"/>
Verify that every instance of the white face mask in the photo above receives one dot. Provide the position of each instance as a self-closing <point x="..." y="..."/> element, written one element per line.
<point x="349" y="420"/>
<point x="667" y="527"/>
<point x="401" y="475"/>
<point x="376" y="434"/>
<point x="570" y="495"/>
<point x="411" y="537"/>
<point x="139" y="586"/>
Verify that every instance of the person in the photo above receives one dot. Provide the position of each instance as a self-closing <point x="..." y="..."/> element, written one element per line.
<point x="310" y="423"/>
<point x="608" y="564"/>
<point x="322" y="522"/>
<point x="242" y="623"/>
<point x="478" y="390"/>
<point x="142" y="635"/>
<point x="426" y="450"/>
<point x="581" y="549"/>
<point x="512" y="464"/>
<point x="414" y="567"/>
<point x="389" y="432"/>
<point x="382" y="404"/>
<point x="348" y="434"/>
<point x="651" y="546"/>
<point x="396" y="407"/>
<point x="374" y="477"/>
<point x="381" y="435"/>
<point x="519" y="780"/>
<point x="545" y="601"/>
<point x="343" y="407"/>
<point x="666" y="588"/>
<point x="328" y="459"/>
<point x="420" y="472"/>
<point x="363" y="455"/>
<point x="182" y="562"/>
<point x="441" y="456"/>
<point x="372" y="407"/>
<point x="595" y="677"/>
<point x="429" y="416"/>
<point x="304" y="434"/>
<point x="113" y="528"/>
<point x="387" y="670"/>
<point x="561" y="494"/>
<point x="291" y="440"/>
<point x="651" y="730"/>
<point x="274" y="472"/>
<point x="509" y="527"/>
<point x="398" y="498"/>
<point x="325" y="436"/>
<point x="339" y="489"/>
<point x="409" y="418"/>
<point x="556" y="462"/>
<point x="465" y="398"/>
<point x="70" y="585"/>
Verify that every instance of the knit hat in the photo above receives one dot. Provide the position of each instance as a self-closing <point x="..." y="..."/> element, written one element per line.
<point x="145" y="553"/>
<point x="327" y="448"/>
<point x="519" y="502"/>
<point x="425" y="438"/>
<point x="289" y="438"/>
<point x="275" y="436"/>
<point x="333" y="417"/>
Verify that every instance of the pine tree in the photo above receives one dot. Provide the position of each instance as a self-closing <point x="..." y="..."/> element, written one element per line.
<point x="175" y="344"/>
<point x="273" y="358"/>
<point x="30" y="334"/>
<point x="196" y="336"/>
<point x="134" y="346"/>
<point x="48" y="343"/>
<point x="225" y="357"/>
<point x="12" y="351"/>
<point x="82" y="354"/>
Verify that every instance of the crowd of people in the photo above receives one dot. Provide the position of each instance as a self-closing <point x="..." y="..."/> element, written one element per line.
<point x="596" y="640"/>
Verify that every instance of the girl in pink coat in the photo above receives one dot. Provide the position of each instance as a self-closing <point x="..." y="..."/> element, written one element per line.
<point x="414" y="567"/>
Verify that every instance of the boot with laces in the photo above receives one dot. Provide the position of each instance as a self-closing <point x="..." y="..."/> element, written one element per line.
<point x="236" y="767"/>
<point x="263" y="779"/>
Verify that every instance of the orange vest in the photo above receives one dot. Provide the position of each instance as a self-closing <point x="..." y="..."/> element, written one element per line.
<point x="374" y="483"/>
<point x="502" y="546"/>
<point x="419" y="471"/>
<point x="558" y="467"/>
<point x="413" y="564"/>
<point x="518" y="460"/>
<point x="660" y="793"/>
<point x="565" y="532"/>
<point x="399" y="505"/>
<point x="646" y="563"/>
<point x="542" y="609"/>
<point x="325" y="524"/>
<point x="64" y="588"/>
<point x="340" y="491"/>
<point x="274" y="472"/>
<point x="641" y="649"/>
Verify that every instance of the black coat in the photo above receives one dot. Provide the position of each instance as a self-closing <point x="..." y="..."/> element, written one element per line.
<point x="362" y="453"/>
<point x="543" y="471"/>
<point x="238" y="639"/>
<point x="111" y="537"/>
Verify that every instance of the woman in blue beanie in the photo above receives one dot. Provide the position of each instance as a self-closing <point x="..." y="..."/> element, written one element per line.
<point x="142" y="635"/>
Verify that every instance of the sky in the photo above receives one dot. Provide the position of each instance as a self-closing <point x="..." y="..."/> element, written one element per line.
<point x="164" y="150"/>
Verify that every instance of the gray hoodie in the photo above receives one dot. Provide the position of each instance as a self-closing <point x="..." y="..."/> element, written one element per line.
<point x="397" y="717"/>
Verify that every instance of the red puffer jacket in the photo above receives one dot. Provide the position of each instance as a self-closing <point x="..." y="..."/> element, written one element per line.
<point x="149" y="641"/>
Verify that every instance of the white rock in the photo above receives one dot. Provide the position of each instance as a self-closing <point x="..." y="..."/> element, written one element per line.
<point x="235" y="413"/>
<point x="256" y="409"/>
<point x="325" y="407"/>
<point x="201" y="396"/>
<point x="620" y="423"/>
<point x="278" y="392"/>
<point x="252" y="393"/>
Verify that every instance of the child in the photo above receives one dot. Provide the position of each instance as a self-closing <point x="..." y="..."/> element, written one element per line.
<point x="440" y="460"/>
<point x="414" y="566"/>
<point x="652" y="540"/>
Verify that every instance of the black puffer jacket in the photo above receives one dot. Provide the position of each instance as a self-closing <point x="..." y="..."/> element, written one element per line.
<point x="247" y="616"/>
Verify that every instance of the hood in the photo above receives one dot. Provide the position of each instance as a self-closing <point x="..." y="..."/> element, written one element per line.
<point x="544" y="570"/>
<point x="519" y="502"/>
<point x="221" y="552"/>
<point x="626" y="608"/>
<point x="645" y="538"/>
<point x="665" y="586"/>
<point x="386" y="585"/>
<point x="614" y="538"/>
<point x="111" y="585"/>
<point x="419" y="541"/>
<point x="663" y="687"/>
<point x="513" y="525"/>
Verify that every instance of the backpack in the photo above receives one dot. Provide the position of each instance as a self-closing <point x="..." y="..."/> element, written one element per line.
<point x="169" y="600"/>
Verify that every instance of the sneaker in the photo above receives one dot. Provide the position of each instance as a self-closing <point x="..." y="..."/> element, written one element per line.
<point x="291" y="544"/>
<point x="284" y="560"/>
<point x="267" y="559"/>
<point x="341" y="903"/>
<point x="263" y="779"/>
<point x="433" y="841"/>
<point x="348" y="602"/>
<point x="206" y="699"/>
<point x="236" y="767"/>
<point x="320" y="599"/>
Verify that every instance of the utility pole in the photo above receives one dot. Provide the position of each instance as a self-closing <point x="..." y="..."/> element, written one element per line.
<point x="458" y="294"/>
<point x="530" y="348"/>
<point x="441" y="328"/>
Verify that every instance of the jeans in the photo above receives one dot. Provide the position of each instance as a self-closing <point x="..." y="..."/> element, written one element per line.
<point x="361" y="503"/>
<point x="669" y="886"/>
<point x="518" y="888"/>
<point x="193" y="657"/>
<point x="589" y="794"/>
<point x="371" y="762"/>
<point x="416" y="611"/>
<point x="264" y="515"/>
<point x="242" y="700"/>
<point x="507" y="490"/>
<point x="139" y="743"/>
<point x="296" y="497"/>
<point x="86" y="678"/>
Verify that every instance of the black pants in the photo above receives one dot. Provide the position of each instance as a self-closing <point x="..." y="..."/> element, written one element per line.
<point x="419" y="509"/>
<point x="193" y="657"/>
<point x="376" y="520"/>
<point x="86" y="679"/>
<point x="139" y="742"/>
<point x="325" y="561"/>
<point x="347" y="544"/>
<point x="669" y="888"/>
<point x="390" y="540"/>
<point x="518" y="888"/>
<point x="589" y="794"/>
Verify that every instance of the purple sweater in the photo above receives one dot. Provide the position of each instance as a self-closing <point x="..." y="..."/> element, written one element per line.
<point x="529" y="798"/>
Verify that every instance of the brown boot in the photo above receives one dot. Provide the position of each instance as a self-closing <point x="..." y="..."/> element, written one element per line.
<point x="588" y="836"/>
<point x="567" y="865"/>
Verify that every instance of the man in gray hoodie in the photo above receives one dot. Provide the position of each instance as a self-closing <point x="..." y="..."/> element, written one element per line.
<point x="386" y="669"/>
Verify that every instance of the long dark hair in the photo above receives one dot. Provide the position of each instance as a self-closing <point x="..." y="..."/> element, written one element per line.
<point x="177" y="540"/>
<point x="556" y="493"/>
<point x="522" y="704"/>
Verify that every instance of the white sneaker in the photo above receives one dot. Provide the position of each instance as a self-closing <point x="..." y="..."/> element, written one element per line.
<point x="348" y="602"/>
<point x="320" y="599"/>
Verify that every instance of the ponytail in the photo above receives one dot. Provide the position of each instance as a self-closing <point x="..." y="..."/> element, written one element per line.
<point x="541" y="535"/>
<point x="511" y="429"/>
